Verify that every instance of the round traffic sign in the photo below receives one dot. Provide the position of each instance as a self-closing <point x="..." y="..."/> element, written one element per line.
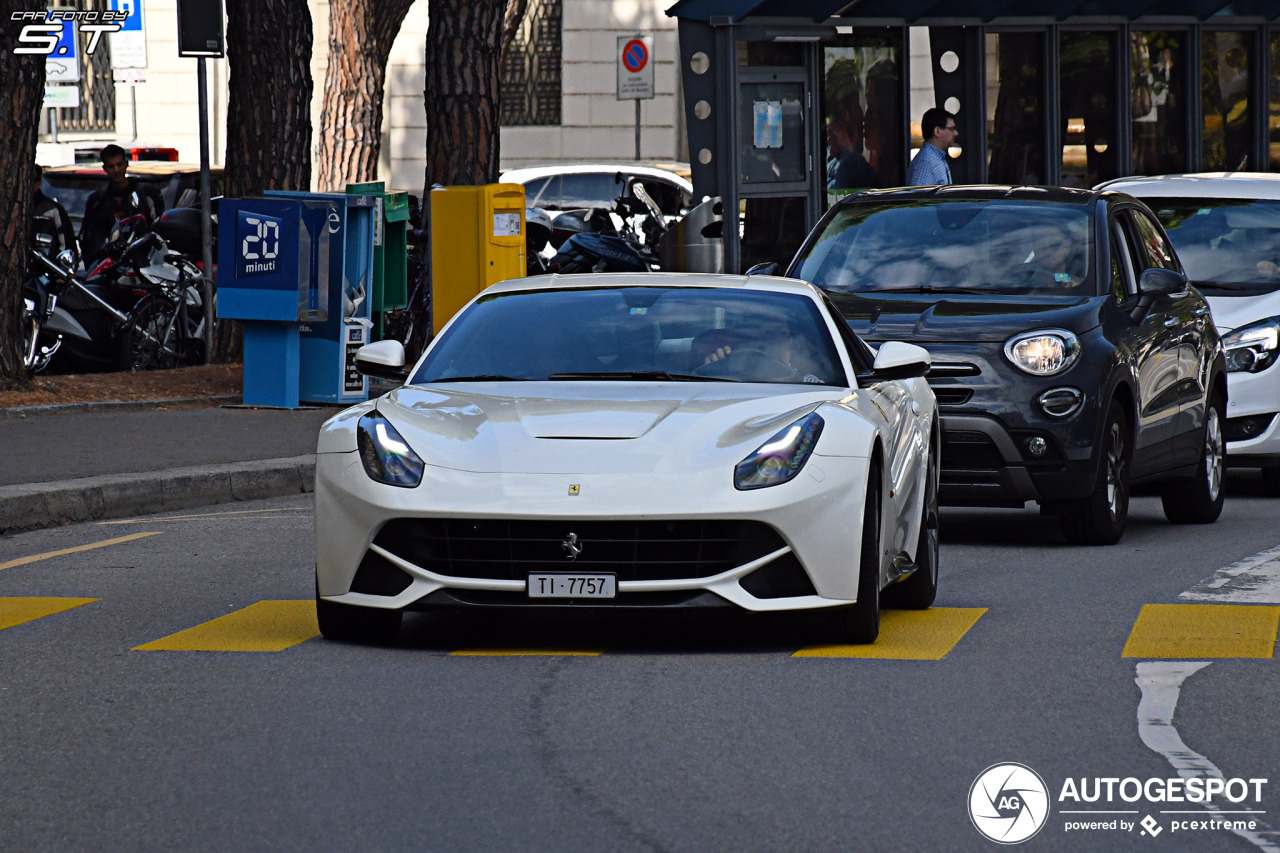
<point x="635" y="56"/>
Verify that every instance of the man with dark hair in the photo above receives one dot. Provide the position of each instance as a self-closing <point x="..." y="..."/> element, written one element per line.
<point x="51" y="229"/>
<point x="123" y="196"/>
<point x="930" y="168"/>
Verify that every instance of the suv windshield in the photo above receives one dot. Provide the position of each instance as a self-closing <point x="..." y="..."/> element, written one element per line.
<point x="1224" y="244"/>
<point x="993" y="246"/>
<point x="637" y="333"/>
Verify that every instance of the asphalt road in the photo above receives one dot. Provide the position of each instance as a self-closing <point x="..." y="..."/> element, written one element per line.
<point x="667" y="734"/>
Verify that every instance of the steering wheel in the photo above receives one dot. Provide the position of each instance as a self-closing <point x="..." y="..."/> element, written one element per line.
<point x="750" y="365"/>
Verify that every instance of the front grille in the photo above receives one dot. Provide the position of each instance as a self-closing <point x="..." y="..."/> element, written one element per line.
<point x="952" y="396"/>
<point x="969" y="451"/>
<point x="500" y="549"/>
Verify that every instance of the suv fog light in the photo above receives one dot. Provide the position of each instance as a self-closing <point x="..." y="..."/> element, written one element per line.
<point x="1036" y="446"/>
<point x="1060" y="402"/>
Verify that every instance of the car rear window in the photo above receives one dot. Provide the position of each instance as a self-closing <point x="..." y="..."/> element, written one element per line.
<point x="985" y="246"/>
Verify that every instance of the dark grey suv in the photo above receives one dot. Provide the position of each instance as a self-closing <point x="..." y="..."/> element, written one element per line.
<point x="1071" y="359"/>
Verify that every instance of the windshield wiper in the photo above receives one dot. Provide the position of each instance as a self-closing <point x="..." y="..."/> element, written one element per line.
<point x="651" y="375"/>
<point x="483" y="377"/>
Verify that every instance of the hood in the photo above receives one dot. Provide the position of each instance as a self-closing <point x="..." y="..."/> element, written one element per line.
<point x="1232" y="312"/>
<point x="592" y="427"/>
<point x="926" y="318"/>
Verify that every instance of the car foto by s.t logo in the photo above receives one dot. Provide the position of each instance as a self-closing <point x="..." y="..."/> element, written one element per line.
<point x="45" y="37"/>
<point x="1008" y="803"/>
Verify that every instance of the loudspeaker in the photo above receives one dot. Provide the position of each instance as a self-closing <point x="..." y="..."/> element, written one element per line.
<point x="201" y="28"/>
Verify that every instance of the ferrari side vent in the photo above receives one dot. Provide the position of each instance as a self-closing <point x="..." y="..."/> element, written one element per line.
<point x="378" y="576"/>
<point x="780" y="578"/>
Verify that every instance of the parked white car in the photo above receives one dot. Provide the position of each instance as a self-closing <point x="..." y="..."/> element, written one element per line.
<point x="634" y="440"/>
<point x="563" y="186"/>
<point x="1225" y="228"/>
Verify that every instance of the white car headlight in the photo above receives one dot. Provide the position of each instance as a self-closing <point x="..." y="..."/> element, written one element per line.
<point x="387" y="457"/>
<point x="781" y="457"/>
<point x="1253" y="348"/>
<point x="1043" y="353"/>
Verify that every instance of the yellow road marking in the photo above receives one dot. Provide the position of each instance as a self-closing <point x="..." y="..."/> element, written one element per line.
<point x="1203" y="631"/>
<point x="516" y="652"/>
<point x="908" y="635"/>
<point x="21" y="561"/>
<point x="268" y="626"/>
<point x="15" y="611"/>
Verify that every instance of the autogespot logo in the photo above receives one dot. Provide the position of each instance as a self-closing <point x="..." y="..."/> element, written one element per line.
<point x="1008" y="803"/>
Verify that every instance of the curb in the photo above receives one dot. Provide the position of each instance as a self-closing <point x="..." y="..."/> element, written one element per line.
<point x="114" y="406"/>
<point x="35" y="506"/>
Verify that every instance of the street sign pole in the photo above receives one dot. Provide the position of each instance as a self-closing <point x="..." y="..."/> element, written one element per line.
<point x="206" y="230"/>
<point x="637" y="128"/>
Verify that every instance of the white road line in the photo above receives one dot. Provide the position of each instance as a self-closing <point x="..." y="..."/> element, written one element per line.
<point x="1160" y="683"/>
<point x="1253" y="580"/>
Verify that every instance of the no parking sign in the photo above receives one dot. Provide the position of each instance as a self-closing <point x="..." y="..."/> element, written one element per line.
<point x="635" y="67"/>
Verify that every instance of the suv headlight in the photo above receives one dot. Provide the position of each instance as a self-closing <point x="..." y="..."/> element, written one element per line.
<point x="1043" y="353"/>
<point x="781" y="457"/>
<point x="387" y="457"/>
<point x="1253" y="348"/>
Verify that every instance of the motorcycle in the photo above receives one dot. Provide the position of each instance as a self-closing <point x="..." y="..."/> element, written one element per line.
<point x="619" y="251"/>
<point x="46" y="280"/>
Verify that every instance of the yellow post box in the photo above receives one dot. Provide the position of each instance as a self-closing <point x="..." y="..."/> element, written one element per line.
<point x="477" y="238"/>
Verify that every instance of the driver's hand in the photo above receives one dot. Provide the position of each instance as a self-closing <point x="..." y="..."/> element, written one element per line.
<point x="718" y="354"/>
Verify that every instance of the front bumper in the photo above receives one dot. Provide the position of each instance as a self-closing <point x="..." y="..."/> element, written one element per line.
<point x="817" y="518"/>
<point x="1253" y="424"/>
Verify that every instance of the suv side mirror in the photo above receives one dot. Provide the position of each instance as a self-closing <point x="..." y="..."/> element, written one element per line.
<point x="898" y="360"/>
<point x="1161" y="282"/>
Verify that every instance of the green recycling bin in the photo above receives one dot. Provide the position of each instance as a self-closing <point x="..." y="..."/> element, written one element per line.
<point x="390" y="251"/>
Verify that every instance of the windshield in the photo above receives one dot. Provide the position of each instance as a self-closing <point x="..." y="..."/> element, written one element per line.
<point x="1224" y="244"/>
<point x="637" y="333"/>
<point x="983" y="247"/>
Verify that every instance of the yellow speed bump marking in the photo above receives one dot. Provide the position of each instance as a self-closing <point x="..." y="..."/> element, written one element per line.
<point x="1203" y="631"/>
<point x="268" y="626"/>
<point x="908" y="635"/>
<point x="518" y="652"/>
<point x="15" y="611"/>
<point x="22" y="561"/>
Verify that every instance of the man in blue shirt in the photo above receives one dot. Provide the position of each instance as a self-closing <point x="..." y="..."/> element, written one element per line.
<point x="930" y="166"/>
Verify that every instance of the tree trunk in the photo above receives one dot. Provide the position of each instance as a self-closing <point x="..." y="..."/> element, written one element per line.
<point x="21" y="97"/>
<point x="268" y="111"/>
<point x="361" y="33"/>
<point x="464" y="49"/>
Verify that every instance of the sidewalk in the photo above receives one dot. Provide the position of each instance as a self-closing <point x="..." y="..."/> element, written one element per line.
<point x="91" y="461"/>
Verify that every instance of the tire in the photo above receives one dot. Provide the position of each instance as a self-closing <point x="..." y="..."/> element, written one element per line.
<point x="1100" y="518"/>
<point x="1198" y="500"/>
<point x="141" y="345"/>
<point x="920" y="588"/>
<point x="859" y="624"/>
<point x="356" y="624"/>
<point x="1271" y="482"/>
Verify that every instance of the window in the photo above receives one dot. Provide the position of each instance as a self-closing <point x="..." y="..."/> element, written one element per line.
<point x="1157" y="252"/>
<point x="531" y="68"/>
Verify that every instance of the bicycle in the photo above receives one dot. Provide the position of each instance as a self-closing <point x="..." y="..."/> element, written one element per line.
<point x="166" y="326"/>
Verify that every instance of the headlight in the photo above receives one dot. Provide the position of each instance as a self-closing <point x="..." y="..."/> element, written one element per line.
<point x="781" y="457"/>
<point x="1043" y="353"/>
<point x="386" y="456"/>
<point x="1253" y="349"/>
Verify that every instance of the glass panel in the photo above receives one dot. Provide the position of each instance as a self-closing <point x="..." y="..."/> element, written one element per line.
<point x="1224" y="91"/>
<point x="1015" y="117"/>
<point x="1158" y="99"/>
<point x="862" y="106"/>
<point x="772" y="230"/>
<point x="771" y="132"/>
<point x="1273" y="120"/>
<point x="1088" y="71"/>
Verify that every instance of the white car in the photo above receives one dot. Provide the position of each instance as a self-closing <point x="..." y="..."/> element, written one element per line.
<point x="1225" y="228"/>
<point x="558" y="187"/>
<point x="633" y="440"/>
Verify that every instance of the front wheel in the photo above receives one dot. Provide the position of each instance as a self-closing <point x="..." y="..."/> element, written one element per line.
<point x="147" y="342"/>
<point x="860" y="623"/>
<point x="1199" y="499"/>
<point x="1100" y="518"/>
<point x="920" y="588"/>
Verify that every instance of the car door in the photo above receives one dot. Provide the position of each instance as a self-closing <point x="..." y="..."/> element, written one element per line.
<point x="1151" y="343"/>
<point x="1191" y="313"/>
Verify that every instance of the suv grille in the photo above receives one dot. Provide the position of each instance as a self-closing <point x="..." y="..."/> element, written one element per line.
<point x="500" y="549"/>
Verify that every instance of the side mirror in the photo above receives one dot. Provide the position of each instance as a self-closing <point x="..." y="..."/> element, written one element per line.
<point x="1160" y="282"/>
<point x="766" y="268"/>
<point x="383" y="359"/>
<point x="898" y="360"/>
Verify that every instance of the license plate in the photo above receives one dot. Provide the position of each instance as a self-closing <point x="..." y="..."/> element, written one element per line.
<point x="572" y="586"/>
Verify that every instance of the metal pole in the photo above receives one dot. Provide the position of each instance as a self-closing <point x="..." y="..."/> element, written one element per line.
<point x="53" y="122"/>
<point x="133" y="106"/>
<point x="637" y="128"/>
<point x="206" y="229"/>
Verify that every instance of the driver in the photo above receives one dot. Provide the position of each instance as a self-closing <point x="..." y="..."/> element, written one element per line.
<point x="767" y="336"/>
<point x="1055" y="258"/>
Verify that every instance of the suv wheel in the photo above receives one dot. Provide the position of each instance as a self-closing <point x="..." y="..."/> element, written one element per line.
<point x="1099" y="519"/>
<point x="1199" y="499"/>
